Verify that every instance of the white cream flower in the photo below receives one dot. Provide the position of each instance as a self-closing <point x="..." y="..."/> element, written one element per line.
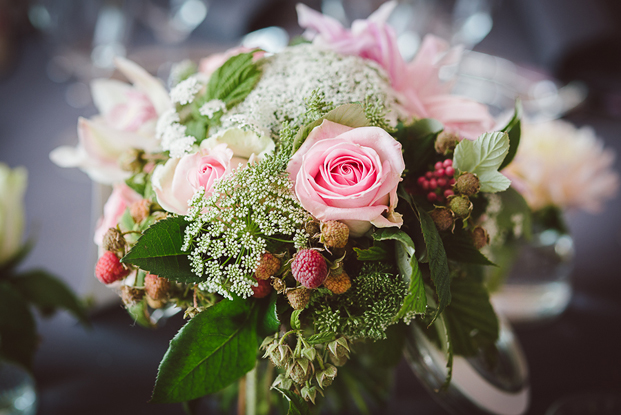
<point x="12" y="188"/>
<point x="128" y="118"/>
<point x="560" y="165"/>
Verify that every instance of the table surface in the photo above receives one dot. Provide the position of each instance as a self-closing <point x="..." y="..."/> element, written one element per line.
<point x="111" y="367"/>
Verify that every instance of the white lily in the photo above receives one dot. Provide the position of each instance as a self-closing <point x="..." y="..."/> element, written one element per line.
<point x="128" y="115"/>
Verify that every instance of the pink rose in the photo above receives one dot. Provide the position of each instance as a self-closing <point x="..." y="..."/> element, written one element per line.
<point x="349" y="174"/>
<point x="121" y="198"/>
<point x="176" y="181"/>
<point x="422" y="93"/>
<point x="209" y="64"/>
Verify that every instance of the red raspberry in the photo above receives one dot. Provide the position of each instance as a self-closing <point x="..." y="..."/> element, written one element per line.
<point x="109" y="269"/>
<point x="309" y="268"/>
<point x="262" y="290"/>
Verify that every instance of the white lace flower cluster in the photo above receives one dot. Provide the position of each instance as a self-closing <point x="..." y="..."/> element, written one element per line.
<point x="229" y="231"/>
<point x="295" y="73"/>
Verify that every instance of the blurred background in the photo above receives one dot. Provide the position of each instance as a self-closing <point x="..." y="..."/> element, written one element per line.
<point x="562" y="57"/>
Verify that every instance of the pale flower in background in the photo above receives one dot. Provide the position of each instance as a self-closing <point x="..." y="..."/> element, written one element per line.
<point x="423" y="94"/>
<point x="560" y="165"/>
<point x="127" y="120"/>
<point x="13" y="184"/>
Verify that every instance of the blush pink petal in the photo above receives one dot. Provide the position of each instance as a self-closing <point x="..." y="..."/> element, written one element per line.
<point x="121" y="198"/>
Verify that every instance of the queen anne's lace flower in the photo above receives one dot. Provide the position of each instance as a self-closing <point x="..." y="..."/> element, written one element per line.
<point x="184" y="92"/>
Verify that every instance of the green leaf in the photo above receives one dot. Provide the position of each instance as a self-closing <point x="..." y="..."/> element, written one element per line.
<point x="471" y="321"/>
<point x="377" y="252"/>
<point x="438" y="263"/>
<point x="295" y="319"/>
<point x="211" y="351"/>
<point x="459" y="247"/>
<point x="415" y="300"/>
<point x="138" y="182"/>
<point x="418" y="140"/>
<point x="197" y="129"/>
<point x="351" y="115"/>
<point x="234" y="80"/>
<point x="18" y="337"/>
<point x="395" y="234"/>
<point x="297" y="406"/>
<point x="269" y="323"/>
<point x="483" y="157"/>
<point x="514" y="129"/>
<point x="48" y="293"/>
<point x="321" y="338"/>
<point x="158" y="251"/>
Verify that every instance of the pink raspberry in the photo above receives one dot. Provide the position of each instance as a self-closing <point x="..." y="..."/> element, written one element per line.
<point x="109" y="269"/>
<point x="309" y="268"/>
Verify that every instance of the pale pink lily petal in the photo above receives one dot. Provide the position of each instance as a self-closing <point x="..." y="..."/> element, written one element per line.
<point x="121" y="198"/>
<point x="109" y="93"/>
<point x="318" y="23"/>
<point x="146" y="83"/>
<point x="465" y="117"/>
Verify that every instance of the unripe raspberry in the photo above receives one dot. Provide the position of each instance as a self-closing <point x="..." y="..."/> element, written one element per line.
<point x="461" y="206"/>
<point x="446" y="142"/>
<point x="300" y="371"/>
<point x="312" y="228"/>
<point x="131" y="296"/>
<point x="309" y="268"/>
<point x="338" y="284"/>
<point x="262" y="290"/>
<point x="132" y="160"/>
<point x="480" y="237"/>
<point x="268" y="266"/>
<point x="326" y="376"/>
<point x="157" y="288"/>
<point x="155" y="303"/>
<point x="334" y="234"/>
<point x="140" y="210"/>
<point x="299" y="298"/>
<point x="109" y="269"/>
<point x="443" y="218"/>
<point x="467" y="184"/>
<point x="279" y="285"/>
<point x="113" y="240"/>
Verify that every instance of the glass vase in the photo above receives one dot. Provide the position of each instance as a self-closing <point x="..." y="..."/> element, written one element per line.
<point x="476" y="387"/>
<point x="534" y="285"/>
<point x="17" y="390"/>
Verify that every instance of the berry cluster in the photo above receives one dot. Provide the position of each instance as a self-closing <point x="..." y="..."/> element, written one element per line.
<point x="438" y="183"/>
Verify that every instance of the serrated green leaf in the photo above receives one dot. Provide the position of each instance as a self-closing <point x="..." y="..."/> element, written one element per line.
<point x="158" y="251"/>
<point x="48" y="293"/>
<point x="197" y="129"/>
<point x="351" y="115"/>
<point x="138" y="182"/>
<point x="234" y="80"/>
<point x="483" y="157"/>
<point x="395" y="234"/>
<point x="514" y="129"/>
<point x="415" y="300"/>
<point x="268" y="317"/>
<point x="438" y="263"/>
<point x="471" y="321"/>
<point x="377" y="252"/>
<point x="459" y="247"/>
<point x="18" y="337"/>
<point x="211" y="351"/>
<point x="297" y="406"/>
<point x="321" y="338"/>
<point x="295" y="319"/>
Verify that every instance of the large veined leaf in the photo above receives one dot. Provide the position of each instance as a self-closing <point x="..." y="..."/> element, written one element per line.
<point x="18" y="337"/>
<point x="514" y="130"/>
<point x="158" y="251"/>
<point x="234" y="80"/>
<point x="269" y="323"/>
<point x="48" y="293"/>
<point x="459" y="247"/>
<point x="483" y="158"/>
<point x="438" y="263"/>
<point x="471" y="321"/>
<point x="211" y="351"/>
<point x="377" y="252"/>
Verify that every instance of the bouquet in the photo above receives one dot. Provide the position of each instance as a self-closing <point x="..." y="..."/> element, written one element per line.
<point x="296" y="205"/>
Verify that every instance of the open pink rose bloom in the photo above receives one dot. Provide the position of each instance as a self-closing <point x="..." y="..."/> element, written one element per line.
<point x="349" y="174"/>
